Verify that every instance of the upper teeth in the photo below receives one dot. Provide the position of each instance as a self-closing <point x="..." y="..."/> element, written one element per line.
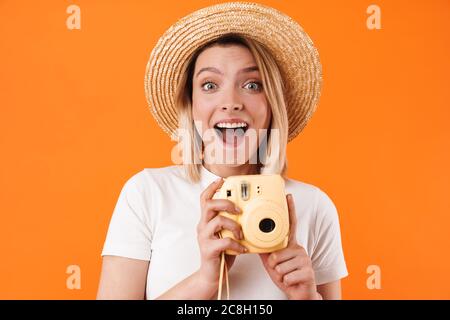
<point x="231" y="125"/>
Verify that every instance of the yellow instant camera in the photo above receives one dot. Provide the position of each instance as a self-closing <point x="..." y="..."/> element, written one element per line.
<point x="265" y="216"/>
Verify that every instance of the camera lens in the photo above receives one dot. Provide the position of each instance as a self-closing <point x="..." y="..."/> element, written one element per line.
<point x="266" y="225"/>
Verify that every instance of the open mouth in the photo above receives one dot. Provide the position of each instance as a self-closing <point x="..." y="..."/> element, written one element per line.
<point x="230" y="133"/>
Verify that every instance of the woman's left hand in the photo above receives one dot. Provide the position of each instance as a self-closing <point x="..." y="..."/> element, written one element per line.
<point x="291" y="268"/>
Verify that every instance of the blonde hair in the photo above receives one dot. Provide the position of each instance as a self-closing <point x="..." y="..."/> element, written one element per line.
<point x="275" y="153"/>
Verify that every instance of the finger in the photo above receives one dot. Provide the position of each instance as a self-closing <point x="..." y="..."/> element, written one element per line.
<point x="219" y="245"/>
<point x="221" y="222"/>
<point x="213" y="206"/>
<point x="278" y="257"/>
<point x="289" y="265"/>
<point x="273" y="274"/>
<point x="208" y="193"/>
<point x="283" y="255"/>
<point x="305" y="275"/>
<point x="292" y="220"/>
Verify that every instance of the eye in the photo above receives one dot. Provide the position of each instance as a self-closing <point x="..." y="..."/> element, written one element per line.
<point x="207" y="85"/>
<point x="256" y="86"/>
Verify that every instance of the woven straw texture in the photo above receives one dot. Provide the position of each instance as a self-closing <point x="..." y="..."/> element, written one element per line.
<point x="290" y="46"/>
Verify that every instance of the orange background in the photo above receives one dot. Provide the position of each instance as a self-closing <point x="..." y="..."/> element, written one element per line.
<point x="75" y="126"/>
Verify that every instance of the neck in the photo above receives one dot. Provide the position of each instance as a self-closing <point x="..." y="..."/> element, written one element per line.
<point x="225" y="171"/>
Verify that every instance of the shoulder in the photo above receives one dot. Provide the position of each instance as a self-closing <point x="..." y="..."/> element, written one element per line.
<point x="148" y="176"/>
<point x="149" y="182"/>
<point x="311" y="197"/>
<point x="297" y="187"/>
<point x="306" y="191"/>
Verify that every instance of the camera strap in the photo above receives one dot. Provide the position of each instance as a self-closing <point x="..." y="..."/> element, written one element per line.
<point x="223" y="269"/>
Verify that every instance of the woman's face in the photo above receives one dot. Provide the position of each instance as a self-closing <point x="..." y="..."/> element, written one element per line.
<point x="229" y="103"/>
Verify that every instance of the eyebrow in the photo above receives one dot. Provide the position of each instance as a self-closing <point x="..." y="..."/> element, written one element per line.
<point x="215" y="70"/>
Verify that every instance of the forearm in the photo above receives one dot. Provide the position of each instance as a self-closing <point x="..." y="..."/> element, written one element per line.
<point x="193" y="287"/>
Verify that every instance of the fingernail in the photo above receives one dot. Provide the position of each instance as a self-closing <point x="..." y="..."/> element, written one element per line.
<point x="238" y="209"/>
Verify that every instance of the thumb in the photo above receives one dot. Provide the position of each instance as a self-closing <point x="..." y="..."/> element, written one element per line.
<point x="292" y="219"/>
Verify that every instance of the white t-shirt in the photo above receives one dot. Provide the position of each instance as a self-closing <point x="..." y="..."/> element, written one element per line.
<point x="156" y="217"/>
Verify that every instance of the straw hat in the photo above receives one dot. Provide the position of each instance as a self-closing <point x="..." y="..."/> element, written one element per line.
<point x="291" y="47"/>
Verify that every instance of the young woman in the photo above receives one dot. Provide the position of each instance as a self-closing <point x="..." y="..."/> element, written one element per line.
<point x="241" y="72"/>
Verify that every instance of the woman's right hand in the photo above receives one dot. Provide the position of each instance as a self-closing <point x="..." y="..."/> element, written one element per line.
<point x="211" y="245"/>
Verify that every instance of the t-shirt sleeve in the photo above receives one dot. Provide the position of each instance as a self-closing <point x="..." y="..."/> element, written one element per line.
<point x="129" y="233"/>
<point x="328" y="257"/>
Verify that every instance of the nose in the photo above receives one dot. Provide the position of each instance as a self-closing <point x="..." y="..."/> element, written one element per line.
<point x="232" y="107"/>
<point x="231" y="100"/>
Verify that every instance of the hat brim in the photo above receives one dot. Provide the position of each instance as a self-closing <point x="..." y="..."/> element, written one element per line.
<point x="292" y="49"/>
